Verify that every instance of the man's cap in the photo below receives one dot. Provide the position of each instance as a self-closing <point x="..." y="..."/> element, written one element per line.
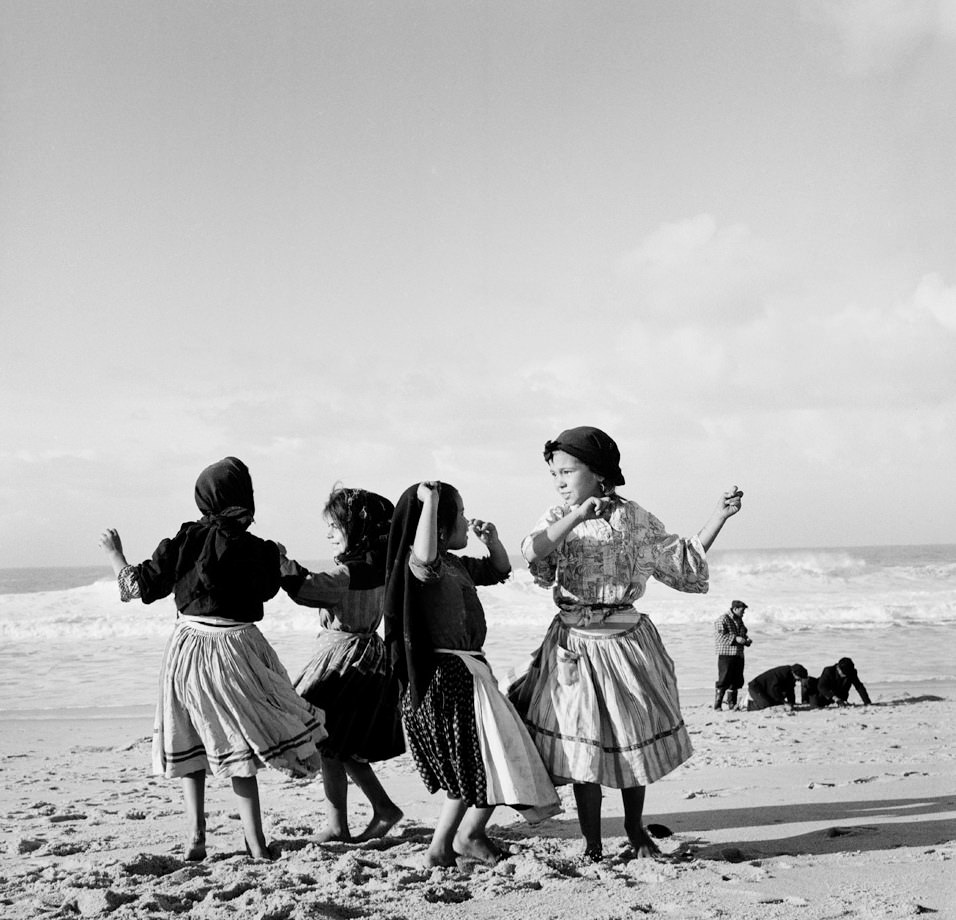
<point x="738" y="604"/>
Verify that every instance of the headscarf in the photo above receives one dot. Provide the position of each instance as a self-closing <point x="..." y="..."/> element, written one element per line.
<point x="368" y="518"/>
<point x="224" y="496"/>
<point x="591" y="446"/>
<point x="410" y="651"/>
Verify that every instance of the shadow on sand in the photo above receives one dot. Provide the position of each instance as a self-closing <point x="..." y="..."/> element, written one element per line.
<point x="883" y="829"/>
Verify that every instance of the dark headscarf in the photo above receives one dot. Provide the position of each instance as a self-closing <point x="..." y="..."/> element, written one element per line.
<point x="591" y="446"/>
<point x="224" y="496"/>
<point x="410" y="651"/>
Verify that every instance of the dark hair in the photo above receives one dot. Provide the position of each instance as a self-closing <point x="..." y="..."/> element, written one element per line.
<point x="363" y="517"/>
<point x="799" y="671"/>
<point x="447" y="508"/>
<point x="337" y="510"/>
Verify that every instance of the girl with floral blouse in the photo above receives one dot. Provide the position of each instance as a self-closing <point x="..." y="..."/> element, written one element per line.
<point x="600" y="698"/>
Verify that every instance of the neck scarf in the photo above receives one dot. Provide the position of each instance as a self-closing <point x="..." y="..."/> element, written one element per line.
<point x="591" y="446"/>
<point x="410" y="652"/>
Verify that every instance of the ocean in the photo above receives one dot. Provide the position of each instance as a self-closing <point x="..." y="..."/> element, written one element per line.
<point x="68" y="644"/>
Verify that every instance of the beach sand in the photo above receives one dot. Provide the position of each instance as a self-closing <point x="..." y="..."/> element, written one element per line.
<point x="836" y="813"/>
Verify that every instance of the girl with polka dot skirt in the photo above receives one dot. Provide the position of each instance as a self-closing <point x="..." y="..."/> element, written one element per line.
<point x="463" y="734"/>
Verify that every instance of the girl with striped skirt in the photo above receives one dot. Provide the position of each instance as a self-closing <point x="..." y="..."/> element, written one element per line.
<point x="348" y="676"/>
<point x="600" y="698"/>
<point x="227" y="706"/>
<point x="464" y="736"/>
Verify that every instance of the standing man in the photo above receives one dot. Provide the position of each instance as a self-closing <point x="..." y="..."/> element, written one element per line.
<point x="731" y="637"/>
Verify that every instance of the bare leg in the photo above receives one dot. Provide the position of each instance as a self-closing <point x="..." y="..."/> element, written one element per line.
<point x="194" y="796"/>
<point x="441" y="851"/>
<point x="247" y="789"/>
<point x="587" y="797"/>
<point x="633" y="799"/>
<point x="472" y="839"/>
<point x="336" y="786"/>
<point x="385" y="813"/>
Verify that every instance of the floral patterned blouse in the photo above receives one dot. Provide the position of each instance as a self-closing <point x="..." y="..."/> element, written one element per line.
<point x="606" y="562"/>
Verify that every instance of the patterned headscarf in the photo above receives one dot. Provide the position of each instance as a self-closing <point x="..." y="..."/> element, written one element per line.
<point x="368" y="517"/>
<point x="591" y="446"/>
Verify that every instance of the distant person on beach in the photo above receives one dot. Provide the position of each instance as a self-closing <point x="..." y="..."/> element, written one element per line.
<point x="227" y="706"/>
<point x="464" y="736"/>
<point x="731" y="639"/>
<point x="834" y="684"/>
<point x="776" y="687"/>
<point x="348" y="675"/>
<point x="600" y="697"/>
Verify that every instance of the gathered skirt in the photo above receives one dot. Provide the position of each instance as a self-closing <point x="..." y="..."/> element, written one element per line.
<point x="604" y="708"/>
<point x="467" y="739"/>
<point x="347" y="678"/>
<point x="227" y="707"/>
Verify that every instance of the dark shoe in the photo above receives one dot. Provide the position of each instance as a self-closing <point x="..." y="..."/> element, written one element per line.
<point x="732" y="699"/>
<point x="718" y="699"/>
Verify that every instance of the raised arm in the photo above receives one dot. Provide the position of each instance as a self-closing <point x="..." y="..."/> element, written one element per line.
<point x="497" y="554"/>
<point x="113" y="547"/>
<point x="727" y="507"/>
<point x="425" y="546"/>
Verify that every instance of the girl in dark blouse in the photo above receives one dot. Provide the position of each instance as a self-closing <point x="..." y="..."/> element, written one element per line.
<point x="463" y="734"/>
<point x="227" y="706"/>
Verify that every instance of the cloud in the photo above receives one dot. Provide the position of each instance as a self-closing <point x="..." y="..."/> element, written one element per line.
<point x="878" y="35"/>
<point x="694" y="270"/>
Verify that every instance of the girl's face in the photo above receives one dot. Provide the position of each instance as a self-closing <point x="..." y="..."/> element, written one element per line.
<point x="336" y="537"/>
<point x="457" y="538"/>
<point x="574" y="480"/>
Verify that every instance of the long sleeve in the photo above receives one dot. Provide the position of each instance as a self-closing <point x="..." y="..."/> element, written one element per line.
<point x="680" y="562"/>
<point x="313" y="589"/>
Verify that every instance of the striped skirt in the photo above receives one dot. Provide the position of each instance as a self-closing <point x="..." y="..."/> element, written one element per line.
<point x="603" y="707"/>
<point x="347" y="678"/>
<point x="227" y="707"/>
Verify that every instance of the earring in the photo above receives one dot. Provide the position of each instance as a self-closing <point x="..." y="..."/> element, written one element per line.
<point x="603" y="486"/>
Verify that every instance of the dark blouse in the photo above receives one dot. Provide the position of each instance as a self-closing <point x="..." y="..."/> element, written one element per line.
<point x="448" y="601"/>
<point x="246" y="576"/>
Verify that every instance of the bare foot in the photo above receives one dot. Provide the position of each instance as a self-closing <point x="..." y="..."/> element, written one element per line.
<point x="259" y="850"/>
<point x="328" y="834"/>
<point x="642" y="847"/>
<point x="381" y="824"/>
<point x="483" y="849"/>
<point x="195" y="850"/>
<point x="446" y="859"/>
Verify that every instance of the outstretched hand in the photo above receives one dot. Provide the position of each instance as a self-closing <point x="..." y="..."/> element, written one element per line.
<point x="110" y="541"/>
<point x="730" y="502"/>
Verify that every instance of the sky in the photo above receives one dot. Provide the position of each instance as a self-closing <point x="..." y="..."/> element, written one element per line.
<point x="372" y="243"/>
